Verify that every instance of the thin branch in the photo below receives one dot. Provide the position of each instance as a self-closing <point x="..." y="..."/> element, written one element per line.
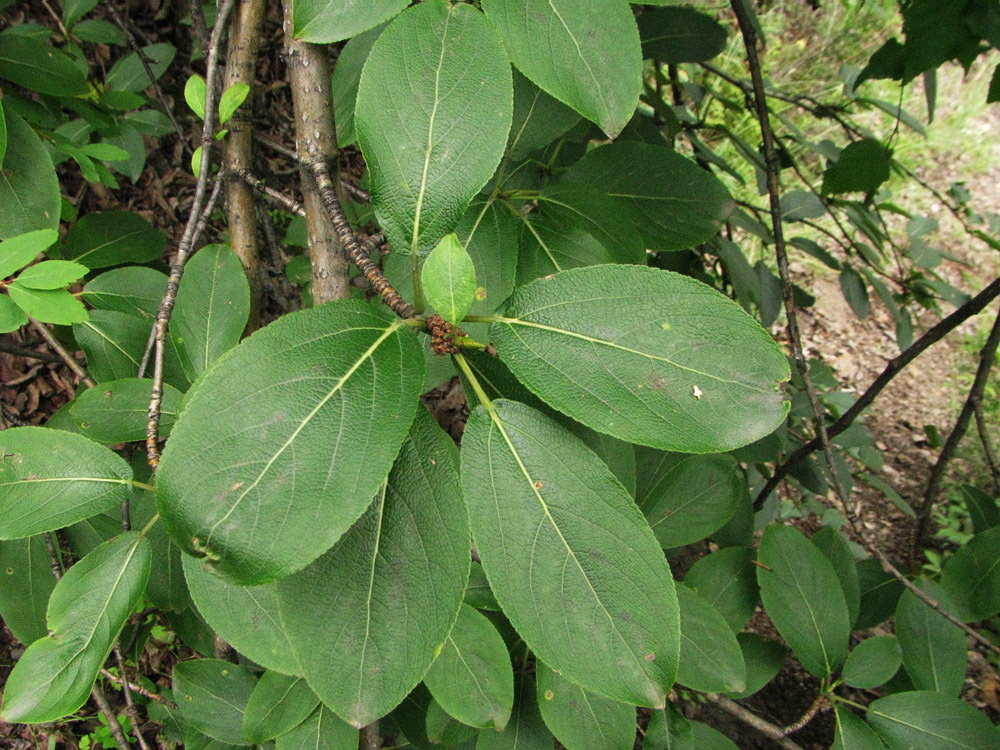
<point x="763" y="726"/>
<point x="196" y="220"/>
<point x="105" y="708"/>
<point x="198" y="22"/>
<point x="276" y="146"/>
<point x="987" y="444"/>
<point x="126" y="687"/>
<point x="54" y="562"/>
<point x="64" y="355"/>
<point x="809" y="715"/>
<point x="137" y="689"/>
<point x="893" y="368"/>
<point x="289" y="204"/>
<point x="987" y="356"/>
<point x="20" y="351"/>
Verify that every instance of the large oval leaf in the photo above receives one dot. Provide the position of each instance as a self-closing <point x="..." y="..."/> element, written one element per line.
<point x="726" y="580"/>
<point x="29" y="190"/>
<point x="212" y="695"/>
<point x="86" y="612"/>
<point x="113" y="237"/>
<point x="934" y="650"/>
<point x="569" y="556"/>
<point x="649" y="356"/>
<point x="972" y="577"/>
<point x="711" y="659"/>
<point x="30" y="62"/>
<point x="323" y="730"/>
<point x="26" y="581"/>
<point x="803" y="598"/>
<point x="285" y="441"/>
<point x="409" y="552"/>
<point x="679" y="35"/>
<point x="582" y="720"/>
<point x="52" y="478"/>
<point x="450" y="114"/>
<point x="134" y="290"/>
<point x="674" y="203"/>
<point x="117" y="412"/>
<point x="325" y="21"/>
<point x="930" y="720"/>
<point x="584" y="54"/>
<point x="277" y="704"/>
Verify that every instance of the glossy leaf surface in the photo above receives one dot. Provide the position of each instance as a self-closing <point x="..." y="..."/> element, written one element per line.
<point x="452" y="112"/>
<point x="599" y="345"/>
<point x="282" y="445"/>
<point x="568" y="555"/>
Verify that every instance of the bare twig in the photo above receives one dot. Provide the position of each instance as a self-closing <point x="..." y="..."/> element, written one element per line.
<point x="20" y="351"/>
<point x="198" y="22"/>
<point x="893" y="368"/>
<point x="197" y="218"/>
<point x="126" y="687"/>
<point x="763" y="726"/>
<point x="987" y="356"/>
<point x="137" y="689"/>
<point x="289" y="204"/>
<point x="105" y="708"/>
<point x="819" y="703"/>
<point x="54" y="562"/>
<point x="64" y="355"/>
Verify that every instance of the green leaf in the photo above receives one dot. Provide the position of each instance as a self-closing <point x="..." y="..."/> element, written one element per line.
<point x="111" y="238"/>
<point x="305" y="473"/>
<point x="452" y="115"/>
<point x="763" y="659"/>
<point x="212" y="308"/>
<point x="212" y="695"/>
<point x="325" y="21"/>
<point x="879" y="594"/>
<point x="983" y="509"/>
<point x="586" y="55"/>
<point x="17" y="252"/>
<point x="231" y="100"/>
<point x="853" y="733"/>
<point x="114" y="344"/>
<point x="118" y="411"/>
<point x="86" y="612"/>
<point x="133" y="290"/>
<point x="344" y="82"/>
<point x="873" y="661"/>
<point x="29" y="189"/>
<point x="3" y="135"/>
<point x="582" y="720"/>
<point x="194" y="94"/>
<point x="726" y="580"/>
<point x="37" y="66"/>
<point x="12" y="317"/>
<point x="50" y="479"/>
<point x="972" y="577"/>
<point x="930" y="720"/>
<point x="711" y="660"/>
<point x="410" y="552"/>
<point x="934" y="650"/>
<point x="855" y="292"/>
<point x="472" y="678"/>
<point x="323" y="730"/>
<point x="861" y="167"/>
<point x="49" y="306"/>
<point x="556" y="533"/>
<point x="245" y="616"/>
<point x="538" y="119"/>
<point x="680" y="35"/>
<point x="51" y="274"/>
<point x="488" y="232"/>
<point x="674" y="203"/>
<point x="278" y="703"/>
<point x="686" y="498"/>
<point x="74" y="10"/>
<point x="444" y="729"/>
<point x="449" y="279"/>
<point x="96" y="31"/>
<point x="26" y="581"/>
<point x="129" y="74"/>
<point x="834" y="545"/>
<point x="478" y="593"/>
<point x="526" y="730"/>
<point x="802" y="596"/>
<point x="603" y="345"/>
<point x="104" y="151"/>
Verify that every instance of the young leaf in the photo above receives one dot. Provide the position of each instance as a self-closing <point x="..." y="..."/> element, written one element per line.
<point x="17" y="252"/>
<point x="409" y="551"/>
<point x="36" y="65"/>
<point x="322" y="21"/>
<point x="472" y="677"/>
<point x="212" y="695"/>
<point x="104" y="151"/>
<point x="245" y="616"/>
<point x="50" y="479"/>
<point x="726" y="580"/>
<point x="111" y="238"/>
<point x="556" y="533"/>
<point x="934" y="650"/>
<point x="853" y="733"/>
<point x="117" y="411"/>
<point x="322" y="730"/>
<point x="304" y="474"/>
<point x="449" y="279"/>
<point x="599" y="345"/>
<point x="133" y="290"/>
<point x="873" y="662"/>
<point x="803" y="598"/>
<point x="12" y="317"/>
<point x="86" y="612"/>
<point x="453" y="112"/>
<point x="929" y="719"/>
<point x="584" y="54"/>
<point x="29" y="190"/>
<point x="582" y="720"/>
<point x="26" y="581"/>
<point x="231" y="100"/>
<point x="674" y="203"/>
<point x="972" y="577"/>
<point x="277" y="704"/>
<point x="49" y="306"/>
<point x="711" y="659"/>
<point x="52" y="274"/>
<point x="212" y="309"/>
